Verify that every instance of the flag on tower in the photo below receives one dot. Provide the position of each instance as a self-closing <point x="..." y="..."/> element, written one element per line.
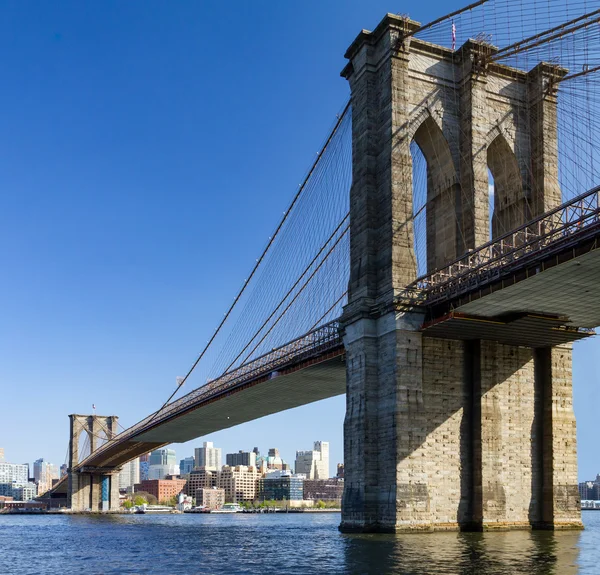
<point x="453" y="36"/>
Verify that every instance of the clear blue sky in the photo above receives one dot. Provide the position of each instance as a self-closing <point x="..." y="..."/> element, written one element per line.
<point x="147" y="149"/>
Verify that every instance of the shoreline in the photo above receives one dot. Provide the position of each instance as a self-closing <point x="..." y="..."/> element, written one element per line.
<point x="68" y="512"/>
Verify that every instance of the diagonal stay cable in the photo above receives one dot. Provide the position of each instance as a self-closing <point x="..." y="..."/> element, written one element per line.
<point x="260" y="259"/>
<point x="299" y="292"/>
<point x="290" y="291"/>
<point x="316" y="324"/>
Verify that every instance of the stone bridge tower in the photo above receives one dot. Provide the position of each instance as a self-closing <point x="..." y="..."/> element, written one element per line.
<point x="91" y="488"/>
<point x="448" y="434"/>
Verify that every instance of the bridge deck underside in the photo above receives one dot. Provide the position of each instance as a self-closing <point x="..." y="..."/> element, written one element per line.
<point x="247" y="402"/>
<point x="570" y="289"/>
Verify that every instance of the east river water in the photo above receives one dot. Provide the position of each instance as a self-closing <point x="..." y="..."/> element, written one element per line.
<point x="280" y="544"/>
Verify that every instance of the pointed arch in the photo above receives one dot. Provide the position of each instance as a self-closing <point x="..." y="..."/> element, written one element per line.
<point x="441" y="196"/>
<point x="509" y="205"/>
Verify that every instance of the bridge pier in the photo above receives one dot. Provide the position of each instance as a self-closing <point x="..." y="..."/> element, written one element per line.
<point x="92" y="491"/>
<point x="456" y="435"/>
<point x="447" y="434"/>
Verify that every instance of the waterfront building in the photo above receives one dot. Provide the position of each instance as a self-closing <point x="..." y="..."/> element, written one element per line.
<point x="315" y="463"/>
<point x="12" y="475"/>
<point x="247" y="458"/>
<point x="340" y="471"/>
<point x="590" y="490"/>
<point x="201" y="478"/>
<point x="31" y="505"/>
<point x="129" y="474"/>
<point x="24" y="491"/>
<point x="281" y="486"/>
<point x="212" y="498"/>
<point x="324" y="489"/>
<point x="162" y="489"/>
<point x="240" y="483"/>
<point x="186" y="465"/>
<point x="208" y="456"/>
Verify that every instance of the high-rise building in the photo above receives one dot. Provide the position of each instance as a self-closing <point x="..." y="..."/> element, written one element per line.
<point x="144" y="464"/>
<point x="162" y="471"/>
<point x="43" y="474"/>
<point x="240" y="483"/>
<point x="63" y="469"/>
<point x="186" y="465"/>
<point x="163" y="456"/>
<point x="340" y="471"/>
<point x="201" y="478"/>
<point x="1" y="454"/>
<point x="272" y="461"/>
<point x="247" y="458"/>
<point x="162" y="462"/>
<point x="12" y="475"/>
<point x="208" y="456"/>
<point x="129" y="474"/>
<point x="314" y="464"/>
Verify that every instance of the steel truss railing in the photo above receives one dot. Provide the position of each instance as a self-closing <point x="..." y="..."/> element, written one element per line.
<point x="311" y="344"/>
<point x="565" y="223"/>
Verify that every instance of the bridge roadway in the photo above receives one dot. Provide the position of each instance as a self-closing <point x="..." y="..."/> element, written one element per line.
<point x="507" y="291"/>
<point x="305" y="370"/>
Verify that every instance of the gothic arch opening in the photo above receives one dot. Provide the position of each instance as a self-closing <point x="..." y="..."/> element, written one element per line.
<point x="509" y="208"/>
<point x="434" y="198"/>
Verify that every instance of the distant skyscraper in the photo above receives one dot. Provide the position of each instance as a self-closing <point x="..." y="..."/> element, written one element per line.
<point x="163" y="457"/>
<point x="129" y="474"/>
<point x="144" y="466"/>
<point x="271" y="461"/>
<point x="208" y="456"/>
<point x="247" y="458"/>
<point x="1" y="454"/>
<point x="63" y="469"/>
<point x="43" y="474"/>
<point x="314" y="464"/>
<point x="186" y="465"/>
<point x="162" y="462"/>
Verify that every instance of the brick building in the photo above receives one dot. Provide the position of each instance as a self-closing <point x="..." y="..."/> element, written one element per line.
<point x="162" y="489"/>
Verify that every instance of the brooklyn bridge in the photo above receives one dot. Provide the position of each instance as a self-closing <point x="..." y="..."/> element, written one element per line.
<point x="436" y="265"/>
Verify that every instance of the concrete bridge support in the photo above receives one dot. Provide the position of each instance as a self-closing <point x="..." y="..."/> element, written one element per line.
<point x="90" y="488"/>
<point x="445" y="434"/>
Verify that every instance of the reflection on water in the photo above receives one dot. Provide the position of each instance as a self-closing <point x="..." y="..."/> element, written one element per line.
<point x="282" y="544"/>
<point x="513" y="552"/>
